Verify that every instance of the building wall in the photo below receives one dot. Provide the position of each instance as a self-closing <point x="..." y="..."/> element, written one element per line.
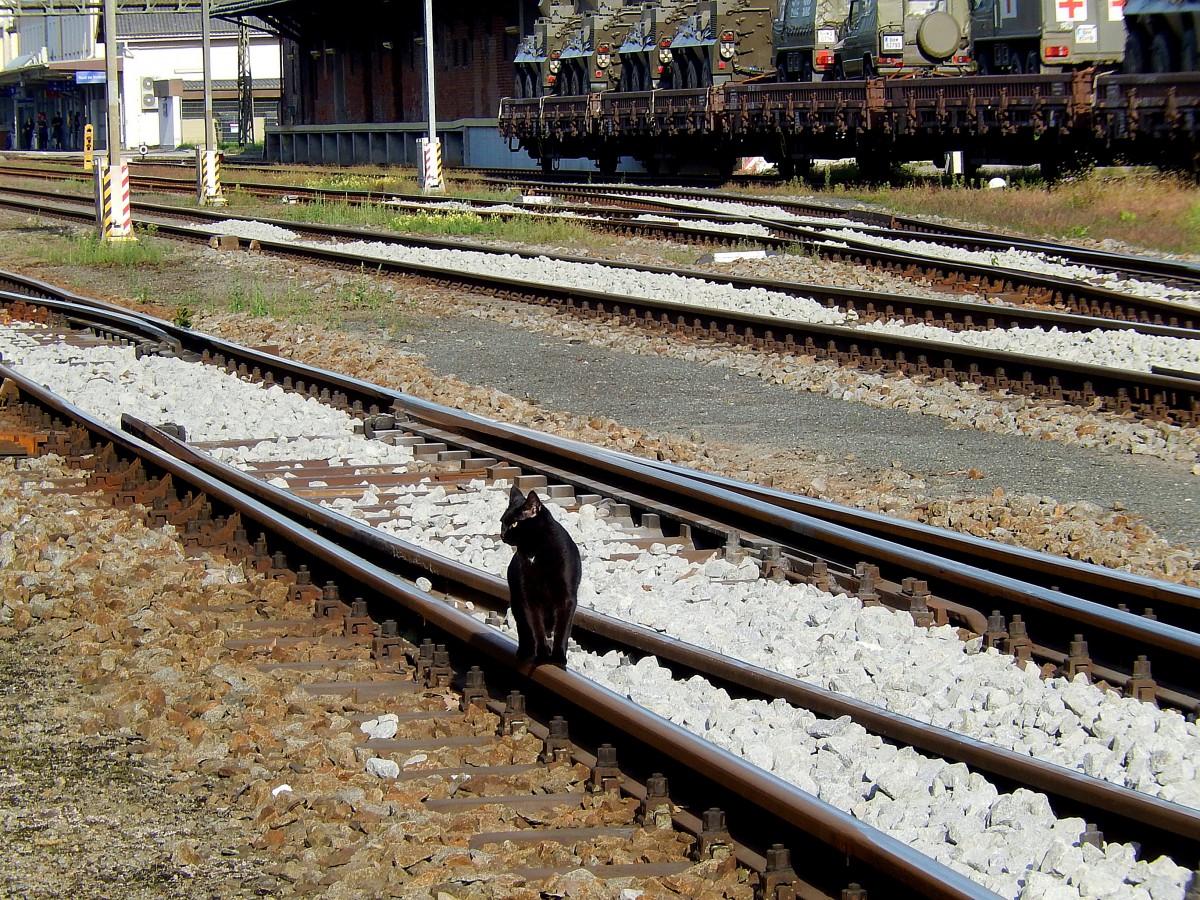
<point x="182" y="58"/>
<point x="340" y="73"/>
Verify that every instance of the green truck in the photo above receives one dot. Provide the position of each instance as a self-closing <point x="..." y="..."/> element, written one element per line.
<point x="835" y="39"/>
<point x="1024" y="37"/>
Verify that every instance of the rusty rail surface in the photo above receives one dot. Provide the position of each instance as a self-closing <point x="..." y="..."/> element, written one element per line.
<point x="1156" y="397"/>
<point x="1159" y="826"/>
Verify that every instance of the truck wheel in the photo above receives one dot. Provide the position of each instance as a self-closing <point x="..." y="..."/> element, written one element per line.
<point x="1187" y="51"/>
<point x="1160" y="54"/>
<point x="1135" y="54"/>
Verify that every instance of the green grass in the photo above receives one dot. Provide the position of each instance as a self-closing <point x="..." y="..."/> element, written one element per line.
<point x="91" y="251"/>
<point x="362" y="293"/>
<point x="257" y="301"/>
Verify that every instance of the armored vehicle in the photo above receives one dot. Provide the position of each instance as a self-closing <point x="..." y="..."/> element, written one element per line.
<point x="536" y="72"/>
<point x="1030" y="36"/>
<point x="646" y="49"/>
<point x="1160" y="36"/>
<point x="806" y="35"/>
<point x="905" y="37"/>
<point x="720" y="41"/>
<point x="589" y="57"/>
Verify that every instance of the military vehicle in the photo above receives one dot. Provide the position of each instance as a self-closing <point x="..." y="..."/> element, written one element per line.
<point x="1030" y="36"/>
<point x="589" y="58"/>
<point x="1160" y="36"/>
<point x="905" y="37"/>
<point x="646" y="50"/>
<point x="536" y="72"/>
<point x="806" y="35"/>
<point x="720" y="41"/>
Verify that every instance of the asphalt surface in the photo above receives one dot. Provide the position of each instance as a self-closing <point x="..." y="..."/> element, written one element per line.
<point x="668" y="395"/>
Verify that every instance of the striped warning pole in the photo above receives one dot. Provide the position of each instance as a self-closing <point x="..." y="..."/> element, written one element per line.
<point x="112" y="203"/>
<point x="432" y="166"/>
<point x="208" y="177"/>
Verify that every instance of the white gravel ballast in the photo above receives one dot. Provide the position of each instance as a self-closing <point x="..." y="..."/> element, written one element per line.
<point x="1115" y="349"/>
<point x="1012" y="843"/>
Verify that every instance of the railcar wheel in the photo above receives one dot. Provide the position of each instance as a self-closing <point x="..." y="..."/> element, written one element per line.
<point x="869" y="69"/>
<point x="782" y="74"/>
<point x="1016" y="64"/>
<point x="806" y="70"/>
<point x="1033" y="63"/>
<point x="983" y="62"/>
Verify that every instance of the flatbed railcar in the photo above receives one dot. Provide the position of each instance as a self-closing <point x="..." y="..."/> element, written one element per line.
<point x="1049" y="119"/>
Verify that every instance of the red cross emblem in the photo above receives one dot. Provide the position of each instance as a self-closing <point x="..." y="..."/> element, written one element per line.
<point x="1072" y="10"/>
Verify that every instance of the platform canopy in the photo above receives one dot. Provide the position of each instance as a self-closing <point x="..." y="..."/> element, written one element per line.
<point x="280" y="16"/>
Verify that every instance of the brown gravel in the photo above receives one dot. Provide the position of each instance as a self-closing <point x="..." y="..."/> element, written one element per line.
<point x="141" y="757"/>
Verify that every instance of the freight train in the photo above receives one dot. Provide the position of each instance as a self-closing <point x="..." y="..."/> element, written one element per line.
<point x="591" y="46"/>
<point x="677" y="81"/>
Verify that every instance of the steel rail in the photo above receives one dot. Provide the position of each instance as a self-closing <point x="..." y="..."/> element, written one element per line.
<point x="900" y="226"/>
<point x="759" y="803"/>
<point x="1053" y="616"/>
<point x="867" y="305"/>
<point x="109" y="323"/>
<point x="1160" y="826"/>
<point x="1082" y="299"/>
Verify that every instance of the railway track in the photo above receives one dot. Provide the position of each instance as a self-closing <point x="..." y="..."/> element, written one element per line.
<point x="859" y="237"/>
<point x="1168" y="393"/>
<point x="520" y="728"/>
<point x="690" y="661"/>
<point x="132" y="485"/>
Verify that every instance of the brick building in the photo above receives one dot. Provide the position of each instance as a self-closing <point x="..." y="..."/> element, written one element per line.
<point x="353" y="80"/>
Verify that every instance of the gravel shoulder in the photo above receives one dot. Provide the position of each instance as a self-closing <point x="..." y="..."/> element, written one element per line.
<point x="713" y="404"/>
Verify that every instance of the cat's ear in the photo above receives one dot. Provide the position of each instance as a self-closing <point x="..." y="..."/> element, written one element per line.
<point x="533" y="505"/>
<point x="515" y="497"/>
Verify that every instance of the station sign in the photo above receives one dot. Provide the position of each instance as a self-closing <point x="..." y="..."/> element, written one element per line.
<point x="85" y="76"/>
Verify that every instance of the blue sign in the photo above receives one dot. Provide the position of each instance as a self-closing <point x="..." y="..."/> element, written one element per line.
<point x="83" y="76"/>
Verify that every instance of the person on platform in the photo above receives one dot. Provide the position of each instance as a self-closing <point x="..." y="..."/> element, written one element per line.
<point x="56" y="132"/>
<point x="27" y="135"/>
<point x="43" y="132"/>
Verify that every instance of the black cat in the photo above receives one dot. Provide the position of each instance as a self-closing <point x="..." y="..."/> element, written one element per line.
<point x="543" y="578"/>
